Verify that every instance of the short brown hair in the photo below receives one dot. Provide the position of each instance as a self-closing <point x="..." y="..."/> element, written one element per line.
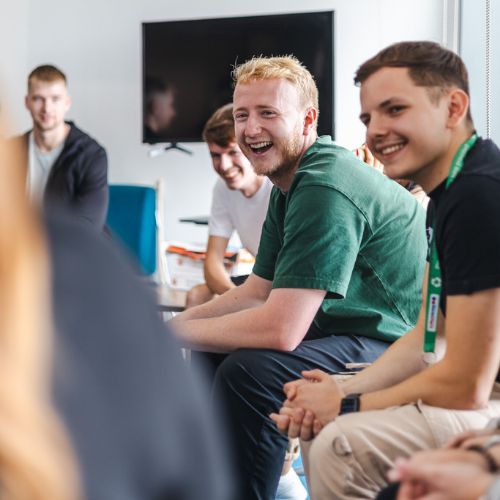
<point x="429" y="65"/>
<point x="46" y="73"/>
<point x="288" y="67"/>
<point x="219" y="129"/>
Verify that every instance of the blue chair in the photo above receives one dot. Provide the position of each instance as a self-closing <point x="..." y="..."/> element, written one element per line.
<point x="132" y="219"/>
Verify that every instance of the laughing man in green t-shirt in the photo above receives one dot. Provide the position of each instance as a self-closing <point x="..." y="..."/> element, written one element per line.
<point x="338" y="271"/>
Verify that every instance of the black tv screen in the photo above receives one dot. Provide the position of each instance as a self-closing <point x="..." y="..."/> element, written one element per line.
<point x="187" y="67"/>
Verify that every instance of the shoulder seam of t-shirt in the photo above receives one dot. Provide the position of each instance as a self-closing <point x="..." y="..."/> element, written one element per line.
<point x="391" y="298"/>
<point x="317" y="184"/>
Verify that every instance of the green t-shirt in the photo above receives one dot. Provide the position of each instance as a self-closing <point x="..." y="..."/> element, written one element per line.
<point x="346" y="228"/>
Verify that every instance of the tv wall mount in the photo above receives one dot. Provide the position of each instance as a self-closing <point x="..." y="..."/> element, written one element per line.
<point x="163" y="149"/>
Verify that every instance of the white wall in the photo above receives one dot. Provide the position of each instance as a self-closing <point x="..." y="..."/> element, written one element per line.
<point x="13" y="57"/>
<point x="98" y="45"/>
<point x="473" y="52"/>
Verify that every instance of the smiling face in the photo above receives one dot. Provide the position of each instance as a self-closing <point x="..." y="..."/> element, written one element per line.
<point x="405" y="129"/>
<point x="230" y="163"/>
<point x="48" y="103"/>
<point x="269" y="125"/>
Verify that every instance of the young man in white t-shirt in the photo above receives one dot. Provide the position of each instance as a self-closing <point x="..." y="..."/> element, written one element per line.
<point x="240" y="200"/>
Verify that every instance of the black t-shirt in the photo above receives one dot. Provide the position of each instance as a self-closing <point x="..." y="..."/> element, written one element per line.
<point x="468" y="224"/>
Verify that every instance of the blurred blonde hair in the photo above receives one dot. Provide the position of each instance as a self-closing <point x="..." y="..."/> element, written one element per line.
<point x="288" y="67"/>
<point x="36" y="461"/>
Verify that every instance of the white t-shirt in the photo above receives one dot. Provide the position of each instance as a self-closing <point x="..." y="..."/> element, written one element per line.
<point x="231" y="210"/>
<point x="39" y="167"/>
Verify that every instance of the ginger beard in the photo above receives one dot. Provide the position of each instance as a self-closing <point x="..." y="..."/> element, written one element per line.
<point x="269" y="125"/>
<point x="288" y="152"/>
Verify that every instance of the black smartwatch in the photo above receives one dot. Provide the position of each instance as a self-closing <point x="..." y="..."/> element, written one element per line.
<point x="349" y="404"/>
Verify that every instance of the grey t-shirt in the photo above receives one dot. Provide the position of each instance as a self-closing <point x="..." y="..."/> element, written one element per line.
<point x="40" y="165"/>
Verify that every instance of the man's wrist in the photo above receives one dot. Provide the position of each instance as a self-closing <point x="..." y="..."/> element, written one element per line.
<point x="350" y="404"/>
<point x="489" y="461"/>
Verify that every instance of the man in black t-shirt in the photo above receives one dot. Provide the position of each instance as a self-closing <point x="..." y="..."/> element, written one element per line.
<point x="415" y="105"/>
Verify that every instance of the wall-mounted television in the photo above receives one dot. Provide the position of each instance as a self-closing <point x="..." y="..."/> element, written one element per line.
<point x="187" y="66"/>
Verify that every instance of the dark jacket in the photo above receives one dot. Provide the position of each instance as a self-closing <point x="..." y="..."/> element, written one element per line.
<point x="78" y="178"/>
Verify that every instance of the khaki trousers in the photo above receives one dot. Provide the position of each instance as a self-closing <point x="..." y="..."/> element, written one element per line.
<point x="351" y="456"/>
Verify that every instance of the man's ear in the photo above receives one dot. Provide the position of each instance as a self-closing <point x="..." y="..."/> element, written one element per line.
<point x="68" y="102"/>
<point x="310" y="121"/>
<point x="458" y="104"/>
<point x="26" y="102"/>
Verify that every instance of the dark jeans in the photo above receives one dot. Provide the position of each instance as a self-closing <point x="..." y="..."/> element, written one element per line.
<point x="250" y="383"/>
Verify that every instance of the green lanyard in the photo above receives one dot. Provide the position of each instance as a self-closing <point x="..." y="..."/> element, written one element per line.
<point x="434" y="281"/>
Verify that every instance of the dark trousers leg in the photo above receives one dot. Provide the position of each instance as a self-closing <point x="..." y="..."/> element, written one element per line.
<point x="250" y="381"/>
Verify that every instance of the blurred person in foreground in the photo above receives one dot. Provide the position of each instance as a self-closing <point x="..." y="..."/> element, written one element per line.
<point x="61" y="164"/>
<point x="37" y="462"/>
<point x="131" y="409"/>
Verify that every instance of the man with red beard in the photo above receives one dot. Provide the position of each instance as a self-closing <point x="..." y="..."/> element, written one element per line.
<point x="64" y="166"/>
<point x="335" y="279"/>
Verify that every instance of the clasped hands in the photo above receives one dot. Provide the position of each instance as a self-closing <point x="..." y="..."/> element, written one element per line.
<point x="312" y="402"/>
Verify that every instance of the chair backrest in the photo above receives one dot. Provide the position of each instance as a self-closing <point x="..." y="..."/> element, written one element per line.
<point x="132" y="221"/>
